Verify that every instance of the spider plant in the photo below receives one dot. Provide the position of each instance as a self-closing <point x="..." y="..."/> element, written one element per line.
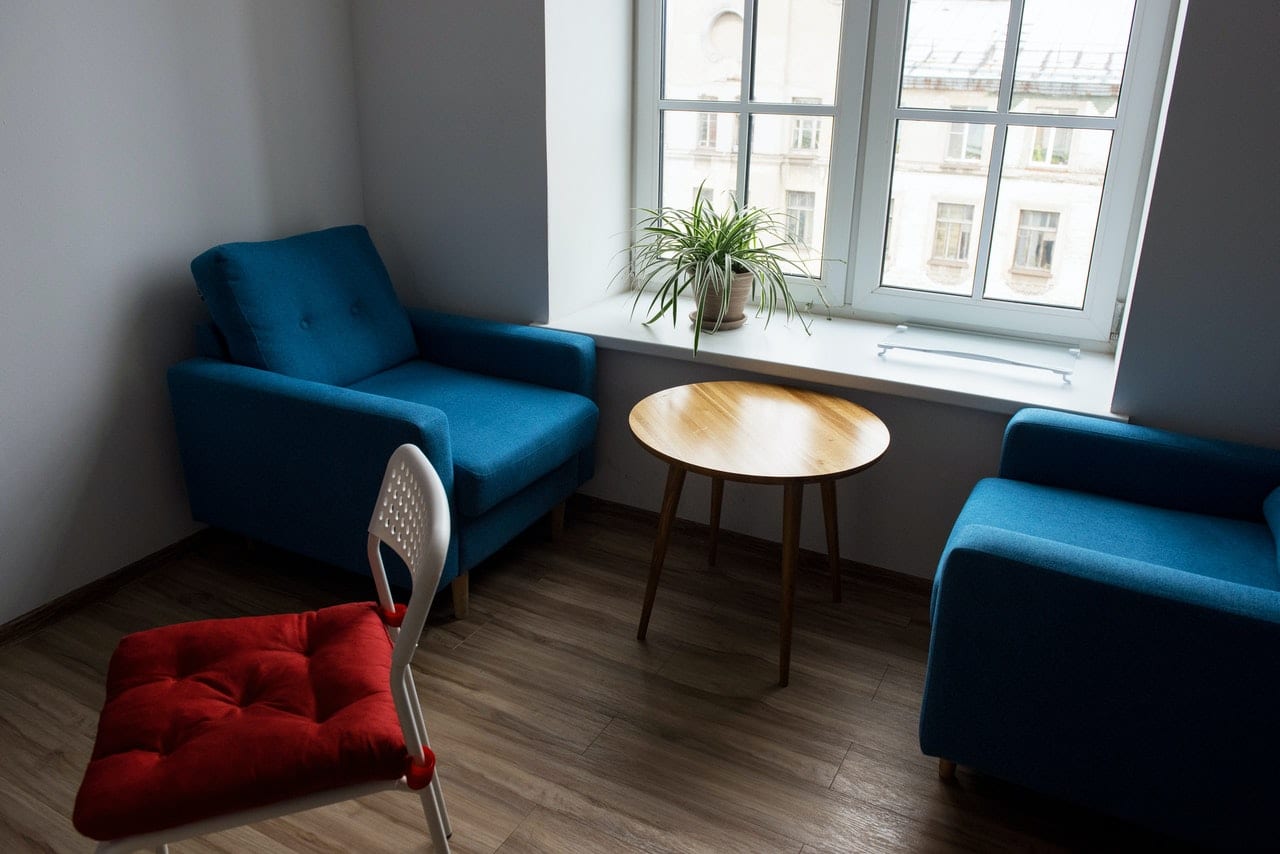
<point x="699" y="250"/>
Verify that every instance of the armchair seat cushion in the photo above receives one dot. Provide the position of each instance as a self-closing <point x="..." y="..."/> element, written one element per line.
<point x="505" y="434"/>
<point x="1231" y="550"/>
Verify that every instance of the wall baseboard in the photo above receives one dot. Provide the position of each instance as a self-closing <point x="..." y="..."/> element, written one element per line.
<point x="809" y="559"/>
<point x="94" y="591"/>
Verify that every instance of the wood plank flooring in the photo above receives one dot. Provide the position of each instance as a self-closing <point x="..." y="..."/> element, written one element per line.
<point x="558" y="732"/>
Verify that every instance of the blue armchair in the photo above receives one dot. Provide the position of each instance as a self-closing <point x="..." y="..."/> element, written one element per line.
<point x="1106" y="626"/>
<point x="311" y="373"/>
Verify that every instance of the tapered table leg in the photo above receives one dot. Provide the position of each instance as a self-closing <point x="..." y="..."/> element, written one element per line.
<point x="792" y="493"/>
<point x="717" y="498"/>
<point x="833" y="535"/>
<point x="670" y="500"/>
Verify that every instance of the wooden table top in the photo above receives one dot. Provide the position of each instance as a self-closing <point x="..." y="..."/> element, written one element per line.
<point x="758" y="432"/>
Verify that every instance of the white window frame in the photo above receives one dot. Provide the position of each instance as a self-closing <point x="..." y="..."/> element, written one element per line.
<point x="1113" y="250"/>
<point x="846" y="114"/>
<point x="862" y="146"/>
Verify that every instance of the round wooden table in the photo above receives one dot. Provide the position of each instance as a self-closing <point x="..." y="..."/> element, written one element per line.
<point x="756" y="433"/>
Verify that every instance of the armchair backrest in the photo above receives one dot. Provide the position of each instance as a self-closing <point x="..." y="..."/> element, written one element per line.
<point x="317" y="306"/>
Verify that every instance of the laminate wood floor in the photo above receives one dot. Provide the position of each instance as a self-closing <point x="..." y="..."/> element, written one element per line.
<point x="557" y="731"/>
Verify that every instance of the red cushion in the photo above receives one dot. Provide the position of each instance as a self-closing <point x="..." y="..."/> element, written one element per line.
<point x="212" y="717"/>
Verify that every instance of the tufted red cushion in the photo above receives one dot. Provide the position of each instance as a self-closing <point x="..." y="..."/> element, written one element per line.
<point x="207" y="718"/>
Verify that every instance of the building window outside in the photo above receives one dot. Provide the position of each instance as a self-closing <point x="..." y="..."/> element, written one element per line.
<point x="964" y="142"/>
<point x="1051" y="147"/>
<point x="941" y="99"/>
<point x="707" y="126"/>
<point x="800" y="216"/>
<point x="951" y="232"/>
<point x="1037" y="234"/>
<point x="805" y="130"/>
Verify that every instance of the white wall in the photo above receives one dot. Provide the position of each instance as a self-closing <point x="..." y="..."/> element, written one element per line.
<point x="134" y="135"/>
<point x="1201" y="350"/>
<point x="896" y="514"/>
<point x="453" y="136"/>
<point x="588" y="65"/>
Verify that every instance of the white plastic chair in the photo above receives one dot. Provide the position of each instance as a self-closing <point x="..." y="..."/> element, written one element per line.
<point x="412" y="519"/>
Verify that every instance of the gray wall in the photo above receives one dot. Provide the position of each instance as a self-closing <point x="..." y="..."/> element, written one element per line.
<point x="452" y="113"/>
<point x="588" y="70"/>
<point x="1201" y="350"/>
<point x="134" y="135"/>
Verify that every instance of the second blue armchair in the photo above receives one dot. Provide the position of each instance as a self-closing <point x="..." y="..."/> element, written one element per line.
<point x="1106" y="625"/>
<point x="310" y="375"/>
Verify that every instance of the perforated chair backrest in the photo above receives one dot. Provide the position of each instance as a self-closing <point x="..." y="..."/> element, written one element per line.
<point x="411" y="518"/>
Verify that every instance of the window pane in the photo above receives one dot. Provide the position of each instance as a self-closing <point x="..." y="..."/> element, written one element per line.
<point x="792" y="179"/>
<point x="797" y="48"/>
<point x="687" y="161"/>
<point x="937" y="209"/>
<point x="954" y="54"/>
<point x="1071" y="55"/>
<point x="702" y="49"/>
<point x="1046" y="219"/>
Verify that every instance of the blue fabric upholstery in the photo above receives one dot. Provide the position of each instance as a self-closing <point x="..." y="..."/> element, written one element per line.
<point x="1115" y="651"/>
<point x="1231" y="549"/>
<point x="317" y="306"/>
<point x="1271" y="510"/>
<point x="297" y="461"/>
<point x="505" y="433"/>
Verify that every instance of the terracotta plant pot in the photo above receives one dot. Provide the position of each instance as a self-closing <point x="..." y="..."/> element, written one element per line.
<point x="734" y="315"/>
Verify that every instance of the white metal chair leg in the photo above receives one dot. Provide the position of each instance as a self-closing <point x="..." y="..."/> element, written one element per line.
<point x="435" y="821"/>
<point x="438" y="793"/>
<point x="420" y="725"/>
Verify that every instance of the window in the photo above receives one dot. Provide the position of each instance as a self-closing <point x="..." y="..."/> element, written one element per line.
<point x="964" y="142"/>
<point x="707" y="123"/>
<point x="951" y="232"/>
<point x="1052" y="146"/>
<point x="800" y="216"/>
<point x="1037" y="232"/>
<point x="1011" y="135"/>
<point x="804" y="130"/>
<point x="706" y="130"/>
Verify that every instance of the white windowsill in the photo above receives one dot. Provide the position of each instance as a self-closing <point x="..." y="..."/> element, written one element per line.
<point x="843" y="352"/>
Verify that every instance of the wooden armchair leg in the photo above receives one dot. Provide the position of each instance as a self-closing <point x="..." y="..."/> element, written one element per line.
<point x="946" y="769"/>
<point x="461" y="596"/>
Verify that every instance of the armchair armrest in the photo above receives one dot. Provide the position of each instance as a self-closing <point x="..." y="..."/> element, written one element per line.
<point x="1140" y="464"/>
<point x="292" y="462"/>
<point x="547" y="357"/>
<point x="1138" y="689"/>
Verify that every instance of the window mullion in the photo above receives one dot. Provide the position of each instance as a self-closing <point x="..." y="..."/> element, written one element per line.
<point x="999" y="136"/>
<point x="986" y="230"/>
<point x="1004" y="103"/>
<point x="744" y="98"/>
